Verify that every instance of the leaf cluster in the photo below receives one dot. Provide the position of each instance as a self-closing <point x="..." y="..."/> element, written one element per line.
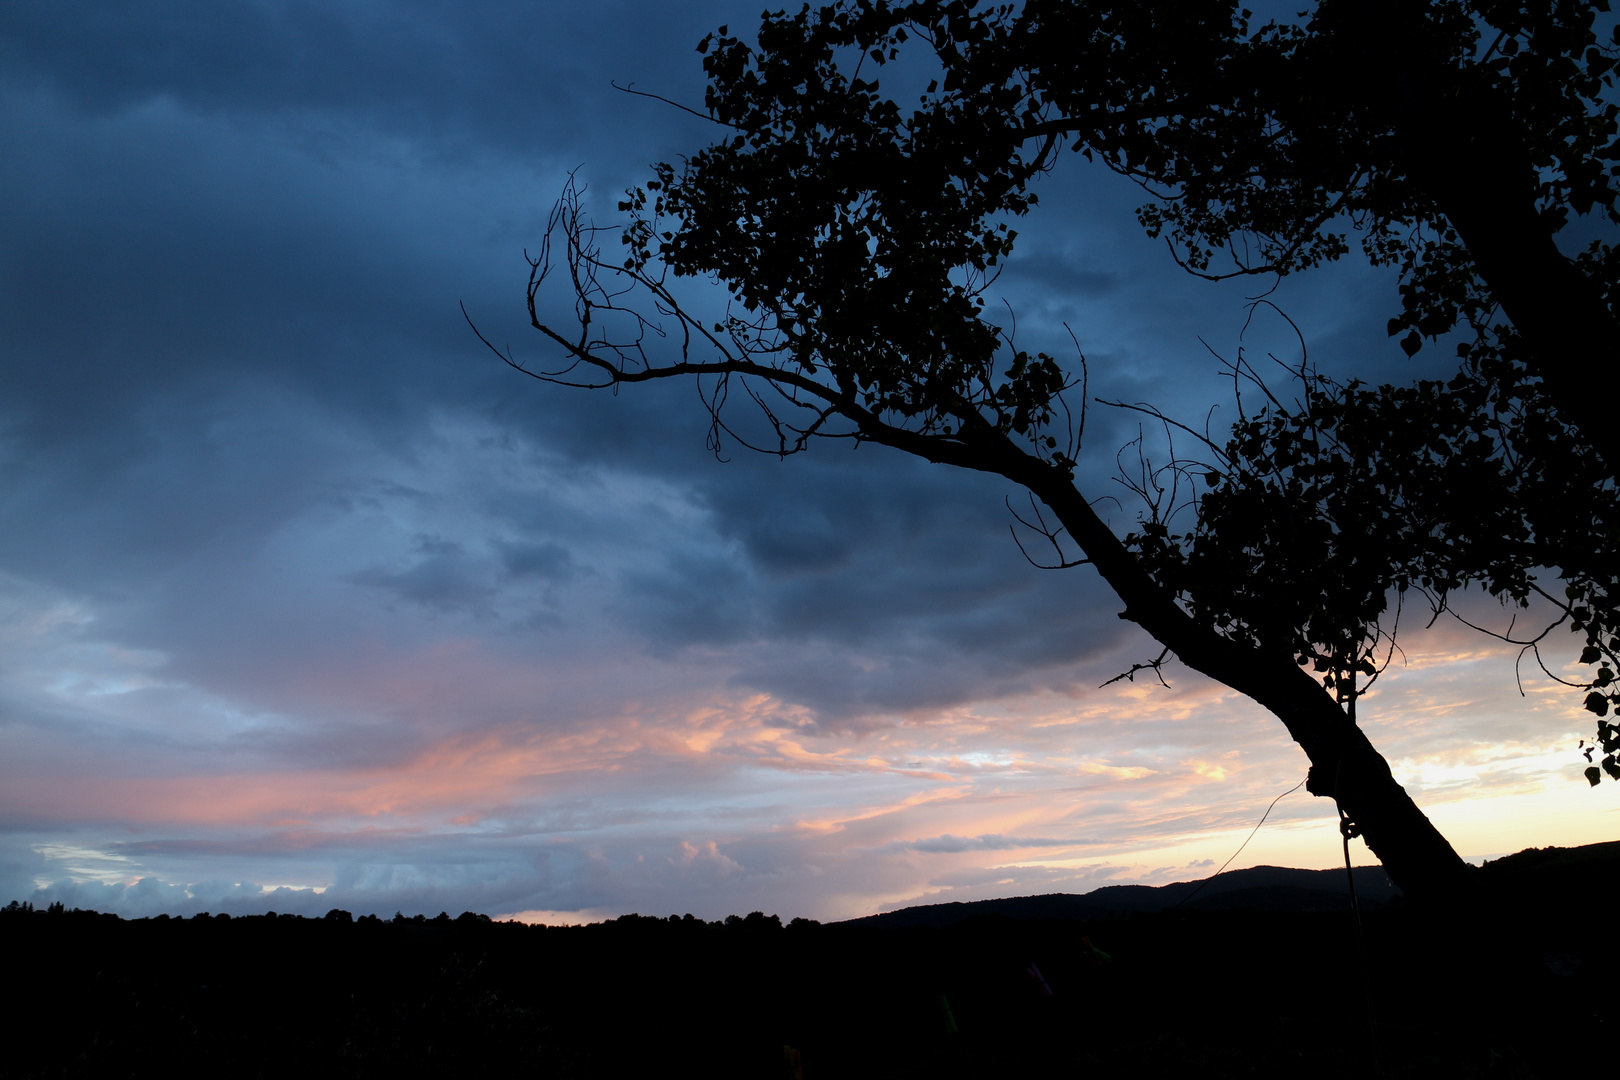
<point x="1318" y="512"/>
<point x="1265" y="147"/>
<point x="857" y="240"/>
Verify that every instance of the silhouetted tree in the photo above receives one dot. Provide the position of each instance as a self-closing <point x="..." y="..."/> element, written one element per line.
<point x="856" y="239"/>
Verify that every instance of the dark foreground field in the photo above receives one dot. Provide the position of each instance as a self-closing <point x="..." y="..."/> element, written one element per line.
<point x="1518" y="982"/>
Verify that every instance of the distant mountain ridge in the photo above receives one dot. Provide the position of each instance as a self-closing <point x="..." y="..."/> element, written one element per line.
<point x="1263" y="888"/>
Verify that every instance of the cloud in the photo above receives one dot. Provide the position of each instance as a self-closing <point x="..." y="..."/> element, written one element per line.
<point x="948" y="844"/>
<point x="477" y="75"/>
<point x="1046" y="269"/>
<point x="543" y="560"/>
<point x="443" y="578"/>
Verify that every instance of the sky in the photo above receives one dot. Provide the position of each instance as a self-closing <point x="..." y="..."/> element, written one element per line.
<point x="307" y="601"/>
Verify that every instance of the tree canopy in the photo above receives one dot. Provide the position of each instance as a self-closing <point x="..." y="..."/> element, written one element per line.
<point x="857" y="238"/>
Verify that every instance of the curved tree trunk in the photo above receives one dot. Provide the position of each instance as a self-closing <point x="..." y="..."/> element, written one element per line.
<point x="1344" y="764"/>
<point x="1459" y="142"/>
<point x="1560" y="316"/>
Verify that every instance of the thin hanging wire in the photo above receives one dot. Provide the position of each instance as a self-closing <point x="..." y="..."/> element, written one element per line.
<point x="1241" y="846"/>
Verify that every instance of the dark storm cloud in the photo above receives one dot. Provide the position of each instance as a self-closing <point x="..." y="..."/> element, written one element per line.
<point x="273" y="209"/>
<point x="1054" y="271"/>
<point x="860" y="583"/>
<point x="917" y="637"/>
<point x="441" y="577"/>
<point x="209" y="313"/>
<point x="472" y="75"/>
<point x="550" y="561"/>
<point x="200" y="194"/>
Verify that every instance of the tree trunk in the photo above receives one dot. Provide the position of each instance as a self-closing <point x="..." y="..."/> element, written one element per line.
<point x="1479" y="177"/>
<point x="1456" y="139"/>
<point x="1344" y="765"/>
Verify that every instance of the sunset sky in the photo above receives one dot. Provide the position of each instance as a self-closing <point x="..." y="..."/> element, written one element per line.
<point x="307" y="601"/>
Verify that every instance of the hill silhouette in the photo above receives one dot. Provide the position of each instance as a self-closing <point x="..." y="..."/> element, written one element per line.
<point x="1257" y="888"/>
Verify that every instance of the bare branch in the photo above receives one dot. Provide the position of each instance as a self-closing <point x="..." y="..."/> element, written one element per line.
<point x="1156" y="665"/>
<point x="630" y="88"/>
<point x="1039" y="525"/>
